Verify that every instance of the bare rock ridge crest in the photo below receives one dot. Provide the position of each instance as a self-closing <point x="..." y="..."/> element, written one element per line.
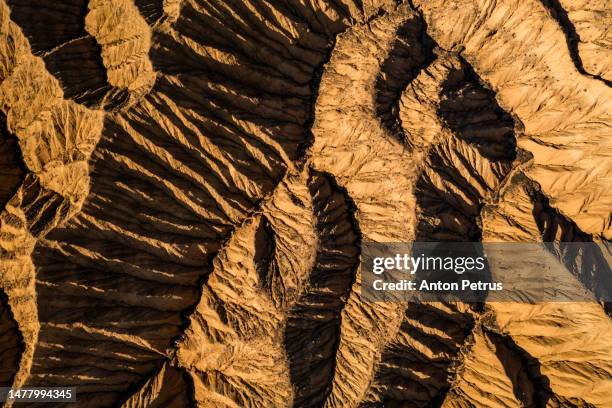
<point x="185" y="186"/>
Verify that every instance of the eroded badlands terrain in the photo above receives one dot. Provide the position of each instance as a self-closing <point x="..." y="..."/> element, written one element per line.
<point x="185" y="186"/>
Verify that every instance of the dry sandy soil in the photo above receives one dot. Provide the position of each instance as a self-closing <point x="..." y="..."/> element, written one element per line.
<point x="185" y="186"/>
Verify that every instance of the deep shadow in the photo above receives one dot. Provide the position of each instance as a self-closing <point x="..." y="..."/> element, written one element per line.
<point x="573" y="247"/>
<point x="48" y="24"/>
<point x="151" y="10"/>
<point x="411" y="52"/>
<point x="56" y="32"/>
<point x="529" y="385"/>
<point x="12" y="167"/>
<point x="572" y="38"/>
<point x="312" y="333"/>
<point x="471" y="111"/>
<point x="265" y="247"/>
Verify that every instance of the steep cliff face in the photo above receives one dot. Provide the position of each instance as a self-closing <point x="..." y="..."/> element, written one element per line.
<point x="185" y="187"/>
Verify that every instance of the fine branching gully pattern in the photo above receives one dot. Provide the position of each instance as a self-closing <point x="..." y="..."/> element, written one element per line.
<point x="185" y="188"/>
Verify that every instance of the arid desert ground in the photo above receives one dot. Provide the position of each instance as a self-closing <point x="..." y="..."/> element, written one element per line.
<point x="185" y="187"/>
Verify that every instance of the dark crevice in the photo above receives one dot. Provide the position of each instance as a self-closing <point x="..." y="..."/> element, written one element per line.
<point x="314" y="86"/>
<point x="12" y="168"/>
<point x="312" y="333"/>
<point x="572" y="37"/>
<point x="265" y="247"/>
<point x="56" y="32"/>
<point x="529" y="385"/>
<point x="574" y="248"/>
<point x="151" y="10"/>
<point x="42" y="207"/>
<point x="270" y="278"/>
<point x="411" y="52"/>
<point x="471" y="111"/>
<point x="315" y="83"/>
